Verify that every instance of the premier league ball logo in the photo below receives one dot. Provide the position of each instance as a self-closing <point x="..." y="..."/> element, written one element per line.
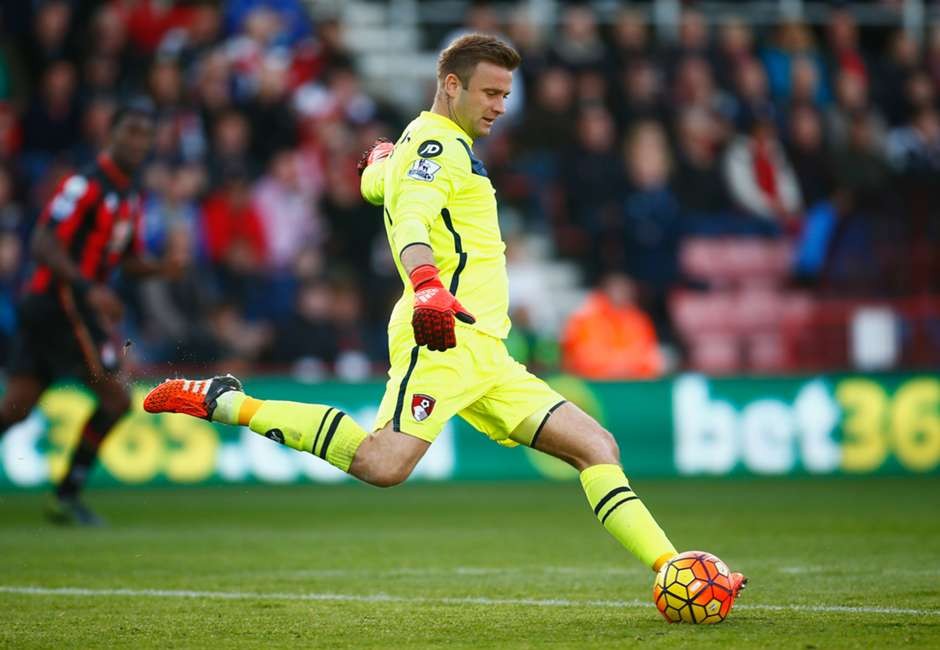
<point x="421" y="406"/>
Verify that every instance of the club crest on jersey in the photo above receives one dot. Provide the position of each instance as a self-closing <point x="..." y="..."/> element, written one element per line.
<point x="430" y="148"/>
<point x="422" y="406"/>
<point x="423" y="170"/>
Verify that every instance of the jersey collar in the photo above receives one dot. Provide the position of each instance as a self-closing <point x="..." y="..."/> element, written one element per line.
<point x="113" y="172"/>
<point x="445" y="121"/>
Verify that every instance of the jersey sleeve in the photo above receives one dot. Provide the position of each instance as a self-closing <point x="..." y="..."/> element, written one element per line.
<point x="372" y="183"/>
<point x="424" y="179"/>
<point x="69" y="206"/>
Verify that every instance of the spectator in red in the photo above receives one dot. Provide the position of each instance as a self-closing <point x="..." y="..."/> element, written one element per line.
<point x="609" y="337"/>
<point x="11" y="134"/>
<point x="845" y="55"/>
<point x="232" y="228"/>
<point x="190" y="41"/>
<point x="148" y="21"/>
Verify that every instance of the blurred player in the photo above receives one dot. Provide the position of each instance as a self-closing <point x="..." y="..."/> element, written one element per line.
<point x="446" y="332"/>
<point x="68" y="314"/>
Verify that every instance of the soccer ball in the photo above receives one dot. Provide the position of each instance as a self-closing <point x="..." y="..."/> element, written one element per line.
<point x="693" y="587"/>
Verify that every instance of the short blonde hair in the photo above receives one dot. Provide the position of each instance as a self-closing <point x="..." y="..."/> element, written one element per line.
<point x="462" y="56"/>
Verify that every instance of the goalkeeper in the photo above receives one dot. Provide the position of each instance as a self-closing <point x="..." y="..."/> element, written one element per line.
<point x="446" y="332"/>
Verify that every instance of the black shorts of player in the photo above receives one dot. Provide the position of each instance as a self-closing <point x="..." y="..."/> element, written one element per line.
<point x="56" y="341"/>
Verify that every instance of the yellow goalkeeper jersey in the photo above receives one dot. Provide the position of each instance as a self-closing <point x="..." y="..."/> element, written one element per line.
<point x="435" y="191"/>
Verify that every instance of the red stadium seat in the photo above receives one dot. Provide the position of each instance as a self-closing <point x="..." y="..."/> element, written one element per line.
<point x="736" y="260"/>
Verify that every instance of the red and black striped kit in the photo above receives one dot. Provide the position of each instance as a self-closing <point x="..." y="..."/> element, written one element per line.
<point x="96" y="214"/>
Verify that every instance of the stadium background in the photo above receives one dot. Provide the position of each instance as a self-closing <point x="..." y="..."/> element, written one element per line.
<point x="725" y="214"/>
<point x="762" y="170"/>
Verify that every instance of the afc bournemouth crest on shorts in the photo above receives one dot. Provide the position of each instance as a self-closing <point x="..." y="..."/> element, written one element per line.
<point x="421" y="406"/>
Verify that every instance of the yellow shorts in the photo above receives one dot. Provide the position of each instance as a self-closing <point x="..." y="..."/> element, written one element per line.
<point x="476" y="380"/>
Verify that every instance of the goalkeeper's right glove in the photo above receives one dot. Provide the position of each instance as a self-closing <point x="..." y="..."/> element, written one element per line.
<point x="434" y="310"/>
<point x="380" y="149"/>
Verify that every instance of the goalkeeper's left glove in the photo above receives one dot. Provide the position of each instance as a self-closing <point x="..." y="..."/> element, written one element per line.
<point x="434" y="310"/>
<point x="380" y="149"/>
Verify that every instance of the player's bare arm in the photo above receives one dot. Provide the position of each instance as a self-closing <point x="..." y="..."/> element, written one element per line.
<point x="48" y="250"/>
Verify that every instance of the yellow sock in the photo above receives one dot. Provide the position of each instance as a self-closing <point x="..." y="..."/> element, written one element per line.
<point x="624" y="516"/>
<point x="316" y="429"/>
<point x="247" y="410"/>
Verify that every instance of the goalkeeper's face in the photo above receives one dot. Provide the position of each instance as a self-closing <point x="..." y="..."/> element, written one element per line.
<point x="477" y="106"/>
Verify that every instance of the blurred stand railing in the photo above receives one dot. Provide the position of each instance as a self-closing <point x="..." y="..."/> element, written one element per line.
<point x="663" y="14"/>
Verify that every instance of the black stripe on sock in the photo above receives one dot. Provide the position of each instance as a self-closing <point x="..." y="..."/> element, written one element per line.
<point x="329" y="434"/>
<point x="313" y="448"/>
<point x="610" y="495"/>
<point x="542" y="423"/>
<point x="396" y="420"/>
<point x="617" y="505"/>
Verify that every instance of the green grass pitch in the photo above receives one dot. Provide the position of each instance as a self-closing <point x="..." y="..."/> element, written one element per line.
<point x="833" y="563"/>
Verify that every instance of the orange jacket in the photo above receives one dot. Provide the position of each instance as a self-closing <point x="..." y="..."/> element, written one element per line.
<point x="603" y="341"/>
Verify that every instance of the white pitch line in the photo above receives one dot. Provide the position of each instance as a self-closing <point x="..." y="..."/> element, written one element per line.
<point x="405" y="572"/>
<point x="458" y="600"/>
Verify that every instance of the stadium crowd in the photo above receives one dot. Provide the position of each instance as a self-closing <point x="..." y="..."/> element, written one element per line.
<point x="617" y="148"/>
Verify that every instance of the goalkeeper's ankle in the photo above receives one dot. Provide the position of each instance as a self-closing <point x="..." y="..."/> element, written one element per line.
<point x="662" y="559"/>
<point x="228" y="406"/>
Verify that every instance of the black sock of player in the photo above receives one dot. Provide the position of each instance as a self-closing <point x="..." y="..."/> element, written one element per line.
<point x="85" y="452"/>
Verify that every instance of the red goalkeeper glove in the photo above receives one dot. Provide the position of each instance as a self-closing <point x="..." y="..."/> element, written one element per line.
<point x="434" y="311"/>
<point x="380" y="149"/>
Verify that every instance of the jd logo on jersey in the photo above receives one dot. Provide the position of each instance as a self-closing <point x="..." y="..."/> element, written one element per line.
<point x="421" y="406"/>
<point x="430" y="148"/>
